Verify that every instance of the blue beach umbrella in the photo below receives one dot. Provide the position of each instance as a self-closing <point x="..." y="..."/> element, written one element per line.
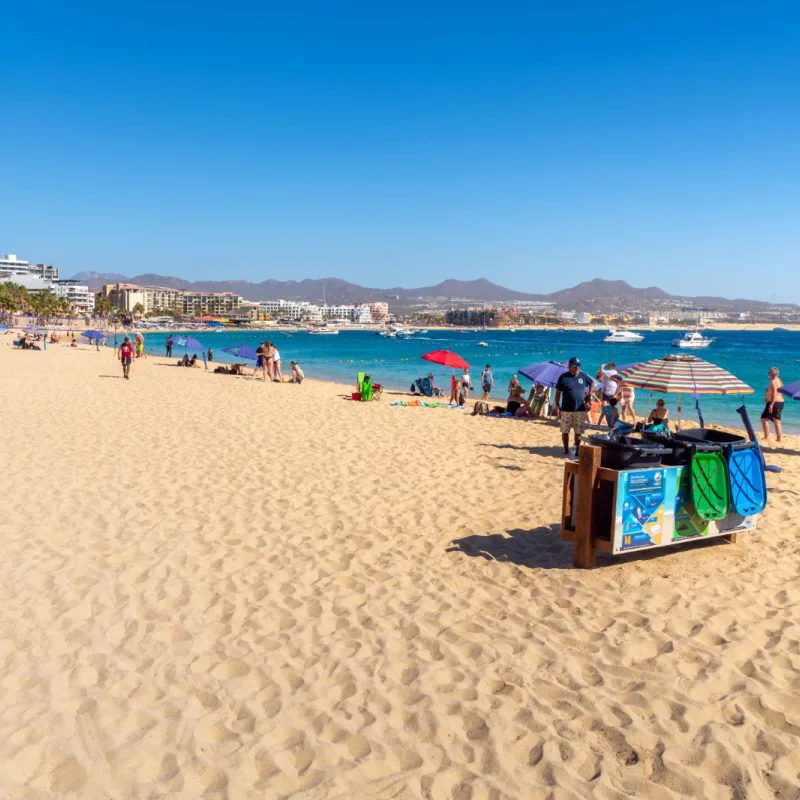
<point x="241" y="351"/>
<point x="190" y="343"/>
<point x="545" y="373"/>
<point x="791" y="390"/>
<point x="94" y="334"/>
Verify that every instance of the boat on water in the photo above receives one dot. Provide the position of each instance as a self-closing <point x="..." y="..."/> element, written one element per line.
<point x="482" y="344"/>
<point x="692" y="339"/>
<point x="326" y="331"/>
<point x="781" y="330"/>
<point x="617" y="336"/>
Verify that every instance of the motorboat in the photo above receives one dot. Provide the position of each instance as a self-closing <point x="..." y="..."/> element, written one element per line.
<point x="482" y="344"/>
<point x="616" y="336"/>
<point x="692" y="339"/>
<point x="326" y="331"/>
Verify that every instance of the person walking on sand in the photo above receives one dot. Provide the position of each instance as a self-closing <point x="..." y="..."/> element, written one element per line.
<point x="487" y="382"/>
<point x="571" y="391"/>
<point x="773" y="408"/>
<point x="125" y="355"/>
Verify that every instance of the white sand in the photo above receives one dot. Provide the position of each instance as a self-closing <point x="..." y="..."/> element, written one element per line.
<point x="215" y="587"/>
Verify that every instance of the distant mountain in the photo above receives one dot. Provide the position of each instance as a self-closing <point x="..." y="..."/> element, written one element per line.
<point x="97" y="279"/>
<point x="595" y="294"/>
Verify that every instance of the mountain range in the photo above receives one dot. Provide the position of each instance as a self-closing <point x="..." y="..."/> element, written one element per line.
<point x="589" y="294"/>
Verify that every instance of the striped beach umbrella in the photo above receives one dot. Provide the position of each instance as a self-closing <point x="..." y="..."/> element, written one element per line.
<point x="683" y="375"/>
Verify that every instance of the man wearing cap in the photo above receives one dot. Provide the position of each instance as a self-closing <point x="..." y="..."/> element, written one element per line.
<point x="571" y="391"/>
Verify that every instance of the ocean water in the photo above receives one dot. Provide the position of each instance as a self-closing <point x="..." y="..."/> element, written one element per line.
<point x="395" y="363"/>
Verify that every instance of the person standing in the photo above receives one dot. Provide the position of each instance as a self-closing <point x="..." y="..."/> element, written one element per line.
<point x="773" y="408"/>
<point x="487" y="382"/>
<point x="169" y="346"/>
<point x="571" y="390"/>
<point x="277" y="375"/>
<point x="609" y="381"/>
<point x="260" y="360"/>
<point x="267" y="361"/>
<point x="453" y="390"/>
<point x="210" y="355"/>
<point x="626" y="396"/>
<point x="125" y="355"/>
<point x="466" y="385"/>
<point x="139" y="345"/>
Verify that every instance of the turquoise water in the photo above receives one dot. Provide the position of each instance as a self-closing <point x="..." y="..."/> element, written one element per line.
<point x="396" y="362"/>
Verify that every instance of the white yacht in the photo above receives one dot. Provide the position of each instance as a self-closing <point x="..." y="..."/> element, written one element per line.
<point x="693" y="339"/>
<point x="482" y="344"/>
<point x="616" y="336"/>
<point x="326" y="331"/>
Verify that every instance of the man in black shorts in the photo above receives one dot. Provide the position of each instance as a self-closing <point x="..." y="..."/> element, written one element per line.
<point x="773" y="407"/>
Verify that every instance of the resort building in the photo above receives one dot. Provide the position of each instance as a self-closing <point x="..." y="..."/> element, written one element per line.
<point x="379" y="311"/>
<point x="77" y="294"/>
<point x="11" y="265"/>
<point x="127" y="296"/>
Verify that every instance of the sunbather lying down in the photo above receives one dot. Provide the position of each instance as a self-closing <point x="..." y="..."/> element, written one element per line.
<point x="234" y="369"/>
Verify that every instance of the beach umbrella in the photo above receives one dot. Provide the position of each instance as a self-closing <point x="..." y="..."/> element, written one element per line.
<point x="94" y="334"/>
<point x="241" y="351"/>
<point x="791" y="390"/>
<point x="545" y="373"/>
<point x="446" y="358"/>
<point x="684" y="374"/>
<point x="190" y="343"/>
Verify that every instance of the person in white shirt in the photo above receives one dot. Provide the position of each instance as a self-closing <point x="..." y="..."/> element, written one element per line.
<point x="466" y="385"/>
<point x="609" y="381"/>
<point x="297" y="373"/>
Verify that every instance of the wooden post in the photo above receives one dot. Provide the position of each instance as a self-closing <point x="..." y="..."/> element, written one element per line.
<point x="588" y="464"/>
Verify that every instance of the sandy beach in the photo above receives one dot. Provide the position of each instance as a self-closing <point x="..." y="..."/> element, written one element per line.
<point x="220" y="588"/>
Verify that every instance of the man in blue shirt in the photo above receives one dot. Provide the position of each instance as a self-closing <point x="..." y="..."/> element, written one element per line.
<point x="571" y="391"/>
<point x="487" y="382"/>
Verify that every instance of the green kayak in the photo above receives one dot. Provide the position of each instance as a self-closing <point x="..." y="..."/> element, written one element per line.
<point x="710" y="492"/>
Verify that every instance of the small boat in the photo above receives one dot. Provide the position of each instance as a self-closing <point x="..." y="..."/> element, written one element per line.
<point x="512" y="330"/>
<point x="692" y="339"/>
<point x="326" y="331"/>
<point x="781" y="330"/>
<point x="422" y="332"/>
<point x="616" y="336"/>
<point x="482" y="344"/>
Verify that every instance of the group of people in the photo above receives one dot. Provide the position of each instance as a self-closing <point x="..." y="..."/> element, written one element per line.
<point x="576" y="398"/>
<point x="268" y="362"/>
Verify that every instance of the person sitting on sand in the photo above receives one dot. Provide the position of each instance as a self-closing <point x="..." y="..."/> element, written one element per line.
<point x="611" y="412"/>
<point x="516" y="400"/>
<point x="298" y="376"/>
<point x="184" y="362"/>
<point x="660" y="414"/>
<point x="193" y="361"/>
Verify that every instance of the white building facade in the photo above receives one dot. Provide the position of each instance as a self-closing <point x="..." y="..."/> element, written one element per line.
<point x="11" y="265"/>
<point x="77" y="294"/>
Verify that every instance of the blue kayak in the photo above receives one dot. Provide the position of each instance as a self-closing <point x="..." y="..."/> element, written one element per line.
<point x="748" y="485"/>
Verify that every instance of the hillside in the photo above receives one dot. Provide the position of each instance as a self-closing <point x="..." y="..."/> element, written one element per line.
<point x="587" y="295"/>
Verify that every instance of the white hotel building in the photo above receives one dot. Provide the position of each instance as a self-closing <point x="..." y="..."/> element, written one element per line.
<point x="303" y="310"/>
<point x="44" y="278"/>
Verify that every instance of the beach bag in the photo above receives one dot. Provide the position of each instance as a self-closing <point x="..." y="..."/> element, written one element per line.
<point x="480" y="409"/>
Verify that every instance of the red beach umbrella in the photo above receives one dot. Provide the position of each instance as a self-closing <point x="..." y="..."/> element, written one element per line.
<point x="447" y="358"/>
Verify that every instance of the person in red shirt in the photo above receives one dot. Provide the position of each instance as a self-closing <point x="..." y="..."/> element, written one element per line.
<point x="125" y="355"/>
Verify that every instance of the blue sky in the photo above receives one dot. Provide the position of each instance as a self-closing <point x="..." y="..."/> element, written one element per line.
<point x="535" y="144"/>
